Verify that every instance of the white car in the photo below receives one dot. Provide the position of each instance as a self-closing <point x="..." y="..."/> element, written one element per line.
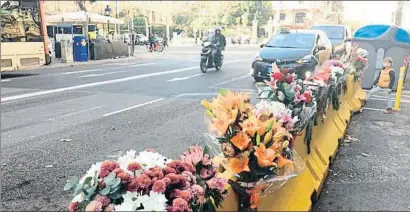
<point x="141" y="39"/>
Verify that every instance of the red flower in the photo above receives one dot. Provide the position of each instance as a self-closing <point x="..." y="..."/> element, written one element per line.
<point x="290" y="79"/>
<point x="107" y="167"/>
<point x="168" y="170"/>
<point x="118" y="171"/>
<point x="277" y="76"/>
<point x="307" y="95"/>
<point x="150" y="150"/>
<point x="179" y="205"/>
<point x="166" y="180"/>
<point x="133" y="185"/>
<point x="73" y="207"/>
<point x="159" y="186"/>
<point x="144" y="181"/>
<point x="133" y="166"/>
<point x="125" y="177"/>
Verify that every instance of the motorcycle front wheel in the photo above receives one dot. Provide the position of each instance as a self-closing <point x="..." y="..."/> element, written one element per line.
<point x="203" y="65"/>
<point x="160" y="48"/>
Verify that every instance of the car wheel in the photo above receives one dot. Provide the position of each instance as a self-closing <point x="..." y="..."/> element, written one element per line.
<point x="258" y="79"/>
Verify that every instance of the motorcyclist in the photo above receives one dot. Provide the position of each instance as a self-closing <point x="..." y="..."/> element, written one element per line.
<point x="152" y="41"/>
<point x="220" y="39"/>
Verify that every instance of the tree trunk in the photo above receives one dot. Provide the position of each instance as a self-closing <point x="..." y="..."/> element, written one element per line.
<point x="399" y="13"/>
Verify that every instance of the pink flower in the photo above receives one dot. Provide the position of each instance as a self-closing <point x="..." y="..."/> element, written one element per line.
<point x="189" y="177"/>
<point x="308" y="96"/>
<point x="278" y="76"/>
<point x="167" y="170"/>
<point x="125" y="177"/>
<point x="271" y="84"/>
<point x="94" y="206"/>
<point x="217" y="183"/>
<point x="166" y="180"/>
<point x="73" y="207"/>
<point x="103" y="199"/>
<point x="173" y="177"/>
<point x="133" y="166"/>
<point x="183" y="194"/>
<point x="197" y="190"/>
<point x="109" y="208"/>
<point x="178" y="165"/>
<point x="299" y="97"/>
<point x="179" y="205"/>
<point x="193" y="155"/>
<point x="143" y="181"/>
<point x="133" y="185"/>
<point x="286" y="118"/>
<point x="207" y="173"/>
<point x="150" y="150"/>
<point x="159" y="186"/>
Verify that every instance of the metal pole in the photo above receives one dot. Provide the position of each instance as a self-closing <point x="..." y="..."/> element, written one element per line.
<point x="399" y="89"/>
<point x="86" y="34"/>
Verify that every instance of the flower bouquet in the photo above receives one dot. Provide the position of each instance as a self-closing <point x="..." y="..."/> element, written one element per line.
<point x="150" y="182"/>
<point x="254" y="144"/>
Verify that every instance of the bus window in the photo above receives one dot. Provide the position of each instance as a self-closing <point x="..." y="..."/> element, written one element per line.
<point x="92" y="28"/>
<point x="20" y="24"/>
<point x="64" y="30"/>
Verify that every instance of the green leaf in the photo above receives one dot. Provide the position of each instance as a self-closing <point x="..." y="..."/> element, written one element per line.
<point x="116" y="183"/>
<point x="222" y="92"/>
<point x="78" y="189"/>
<point x="88" y="180"/>
<point x="91" y="190"/>
<point x="116" y="195"/>
<point x="258" y="139"/>
<point x="105" y="191"/>
<point x="68" y="186"/>
<point x="210" y="114"/>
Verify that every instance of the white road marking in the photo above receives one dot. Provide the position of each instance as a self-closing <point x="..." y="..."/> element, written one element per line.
<point x="143" y="64"/>
<point x="142" y="76"/>
<point x="375" y="109"/>
<point x="231" y="80"/>
<point x="183" y="78"/>
<point x="196" y="94"/>
<point x="74" y="113"/>
<point x="393" y="100"/>
<point x="236" y="89"/>
<point x="84" y="71"/>
<point x="6" y="80"/>
<point x="96" y="75"/>
<point x="133" y="107"/>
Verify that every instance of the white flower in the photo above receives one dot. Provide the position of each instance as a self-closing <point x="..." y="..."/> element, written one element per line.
<point x="155" y="202"/>
<point x="281" y="96"/>
<point x="91" y="173"/>
<point x="151" y="159"/>
<point x="79" y="198"/>
<point x="132" y="200"/>
<point x="127" y="159"/>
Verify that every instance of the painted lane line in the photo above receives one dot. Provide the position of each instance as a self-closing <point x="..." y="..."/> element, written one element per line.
<point x="6" y="80"/>
<point x="133" y="107"/>
<point x="393" y="100"/>
<point x="84" y="71"/>
<point x="144" y="64"/>
<point x="235" y="89"/>
<point x="74" y="113"/>
<point x="375" y="109"/>
<point x="96" y="75"/>
<point x="231" y="80"/>
<point x="183" y="78"/>
<point x="141" y="76"/>
<point x="196" y="94"/>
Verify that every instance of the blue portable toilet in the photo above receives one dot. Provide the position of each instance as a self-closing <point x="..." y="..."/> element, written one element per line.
<point x="382" y="41"/>
<point x="80" y="49"/>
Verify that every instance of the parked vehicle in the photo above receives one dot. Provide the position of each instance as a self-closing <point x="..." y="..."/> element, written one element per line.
<point x="141" y="39"/>
<point x="299" y="51"/>
<point x="339" y="35"/>
<point x="209" y="59"/>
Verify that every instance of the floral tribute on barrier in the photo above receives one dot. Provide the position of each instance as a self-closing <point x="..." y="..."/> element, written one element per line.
<point x="359" y="62"/>
<point x="149" y="181"/>
<point x="254" y="143"/>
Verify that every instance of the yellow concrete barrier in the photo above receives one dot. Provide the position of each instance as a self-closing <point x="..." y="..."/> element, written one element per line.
<point x="299" y="192"/>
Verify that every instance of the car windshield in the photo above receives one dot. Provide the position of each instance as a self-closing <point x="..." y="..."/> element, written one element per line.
<point x="333" y="32"/>
<point x="295" y="40"/>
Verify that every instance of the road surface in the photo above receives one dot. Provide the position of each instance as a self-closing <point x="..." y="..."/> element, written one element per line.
<point x="57" y="122"/>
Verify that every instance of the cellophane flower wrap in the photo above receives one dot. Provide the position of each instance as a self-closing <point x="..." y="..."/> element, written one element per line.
<point x="149" y="181"/>
<point x="254" y="142"/>
<point x="358" y="64"/>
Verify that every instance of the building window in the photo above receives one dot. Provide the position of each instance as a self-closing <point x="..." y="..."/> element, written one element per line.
<point x="282" y="16"/>
<point x="299" y="18"/>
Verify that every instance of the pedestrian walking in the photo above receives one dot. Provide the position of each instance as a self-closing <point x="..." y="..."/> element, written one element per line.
<point x="384" y="82"/>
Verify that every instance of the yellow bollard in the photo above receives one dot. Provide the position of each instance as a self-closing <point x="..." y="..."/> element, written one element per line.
<point x="399" y="89"/>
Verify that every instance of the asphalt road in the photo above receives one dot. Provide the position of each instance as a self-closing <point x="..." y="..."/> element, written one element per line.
<point x="56" y="122"/>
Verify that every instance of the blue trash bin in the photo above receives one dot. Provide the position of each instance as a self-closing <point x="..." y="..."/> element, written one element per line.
<point x="80" y="49"/>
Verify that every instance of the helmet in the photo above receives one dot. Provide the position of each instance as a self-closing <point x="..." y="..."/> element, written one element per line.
<point x="362" y="52"/>
<point x="218" y="28"/>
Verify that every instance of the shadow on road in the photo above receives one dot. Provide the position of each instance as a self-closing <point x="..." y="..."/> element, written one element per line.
<point x="16" y="75"/>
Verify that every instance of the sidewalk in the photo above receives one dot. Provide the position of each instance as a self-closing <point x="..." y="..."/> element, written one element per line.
<point x="372" y="169"/>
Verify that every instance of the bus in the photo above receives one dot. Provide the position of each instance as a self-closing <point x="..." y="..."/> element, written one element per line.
<point x="24" y="41"/>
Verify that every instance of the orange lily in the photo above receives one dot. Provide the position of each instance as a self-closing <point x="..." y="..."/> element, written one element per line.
<point x="241" y="140"/>
<point x="262" y="126"/>
<point x="221" y="123"/>
<point x="282" y="162"/>
<point x="229" y="99"/>
<point x="239" y="165"/>
<point x="250" y="126"/>
<point x="255" y="198"/>
<point x="265" y="156"/>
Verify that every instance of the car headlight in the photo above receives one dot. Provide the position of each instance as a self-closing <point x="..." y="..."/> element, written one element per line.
<point x="258" y="57"/>
<point x="305" y="59"/>
<point x="308" y="74"/>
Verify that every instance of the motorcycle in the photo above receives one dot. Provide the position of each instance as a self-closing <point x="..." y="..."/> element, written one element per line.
<point x="158" y="47"/>
<point x="209" y="58"/>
